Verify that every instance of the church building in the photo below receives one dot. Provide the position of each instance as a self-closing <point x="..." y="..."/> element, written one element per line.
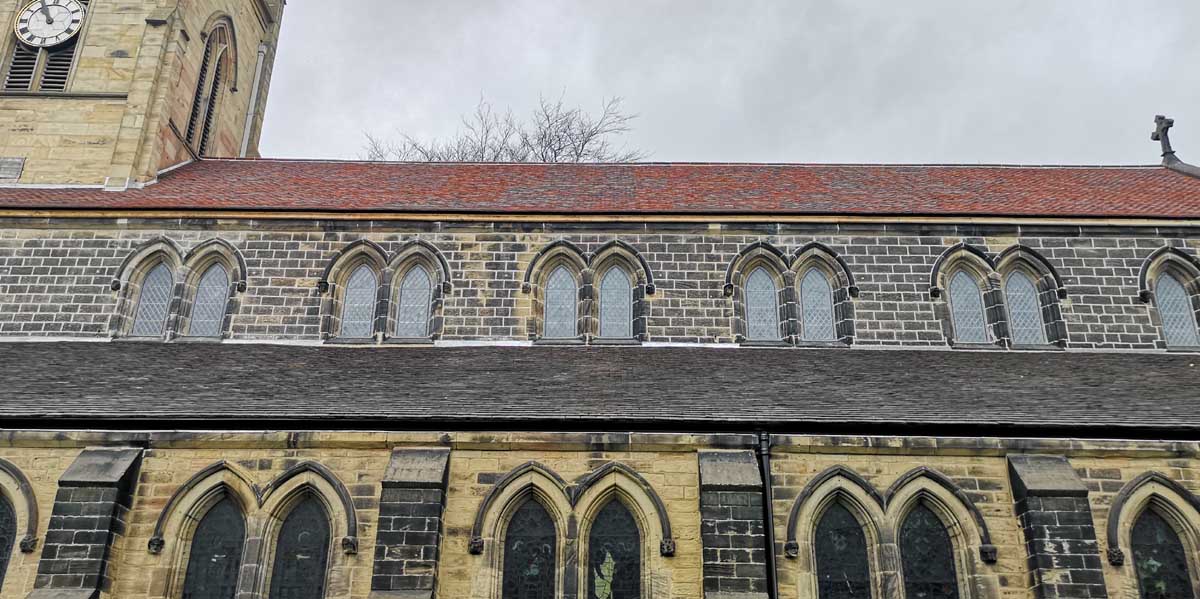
<point x="224" y="376"/>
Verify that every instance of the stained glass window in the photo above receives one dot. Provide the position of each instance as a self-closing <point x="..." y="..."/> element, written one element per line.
<point x="414" y="303"/>
<point x="358" y="305"/>
<point x="560" y="310"/>
<point x="762" y="307"/>
<point x="153" y="302"/>
<point x="614" y="554"/>
<point x="816" y="307"/>
<point x="616" y="304"/>
<point x="841" y="549"/>
<point x="8" y="535"/>
<point x="928" y="557"/>
<point x="1175" y="309"/>
<point x="530" y="546"/>
<point x="1159" y="559"/>
<point x="301" y="553"/>
<point x="1024" y="310"/>
<point x="208" y="309"/>
<point x="966" y="309"/>
<point x="216" y="554"/>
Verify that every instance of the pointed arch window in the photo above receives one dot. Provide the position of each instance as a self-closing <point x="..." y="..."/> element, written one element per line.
<point x="530" y="550"/>
<point x="414" y="304"/>
<point x="1159" y="559"/>
<point x="1024" y="309"/>
<point x="843" y="571"/>
<point x="8" y="535"/>
<point x="154" y="301"/>
<point x="614" y="554"/>
<point x="762" y="306"/>
<point x="816" y="307"/>
<point x="1175" y="310"/>
<point x="927" y="555"/>
<point x="212" y="297"/>
<point x="209" y="82"/>
<point x="358" y="304"/>
<point x="301" y="553"/>
<point x="216" y="553"/>
<point x="616" y="304"/>
<point x="966" y="309"/>
<point x="561" y="311"/>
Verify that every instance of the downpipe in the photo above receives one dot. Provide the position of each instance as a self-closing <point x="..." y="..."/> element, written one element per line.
<point x="764" y="465"/>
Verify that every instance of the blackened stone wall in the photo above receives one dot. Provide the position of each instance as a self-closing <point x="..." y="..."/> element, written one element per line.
<point x="410" y="524"/>
<point x="55" y="278"/>
<point x="1060" y="536"/>
<point x="731" y="525"/>
<point x="91" y="508"/>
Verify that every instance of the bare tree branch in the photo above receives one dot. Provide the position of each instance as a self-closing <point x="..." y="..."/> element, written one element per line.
<point x="553" y="133"/>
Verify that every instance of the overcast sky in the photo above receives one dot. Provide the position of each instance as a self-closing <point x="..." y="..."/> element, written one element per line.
<point x="1039" y="81"/>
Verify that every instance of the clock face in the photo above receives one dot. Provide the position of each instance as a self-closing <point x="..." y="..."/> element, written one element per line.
<point x="45" y="23"/>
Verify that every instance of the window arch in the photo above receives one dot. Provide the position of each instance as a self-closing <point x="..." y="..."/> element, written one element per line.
<point x="927" y="556"/>
<point x="614" y="554"/>
<point x="816" y="307"/>
<point x="530" y="563"/>
<point x="301" y="552"/>
<point x="966" y="308"/>
<point x="842" y="565"/>
<point x="560" y="316"/>
<point x="211" y="301"/>
<point x="1176" y="311"/>
<point x="359" y="303"/>
<point x="616" y="304"/>
<point x="215" y="557"/>
<point x="414" y="303"/>
<point x="154" y="302"/>
<point x="8" y="534"/>
<point x="762" y="306"/>
<point x="1159" y="559"/>
<point x="1025" y="317"/>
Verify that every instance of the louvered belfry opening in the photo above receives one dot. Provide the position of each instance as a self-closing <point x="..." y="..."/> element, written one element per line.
<point x="205" y="100"/>
<point x="31" y="69"/>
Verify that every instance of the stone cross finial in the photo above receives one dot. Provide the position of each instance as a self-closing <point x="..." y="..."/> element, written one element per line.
<point x="1162" y="126"/>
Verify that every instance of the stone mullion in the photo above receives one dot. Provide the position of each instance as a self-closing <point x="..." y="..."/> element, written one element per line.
<point x="641" y="313"/>
<point x="789" y="309"/>
<point x="587" y="323"/>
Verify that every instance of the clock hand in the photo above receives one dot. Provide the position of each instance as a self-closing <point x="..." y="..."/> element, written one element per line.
<point x="46" y="11"/>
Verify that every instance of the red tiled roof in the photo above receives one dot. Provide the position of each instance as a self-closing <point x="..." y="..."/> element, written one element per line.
<point x="301" y="185"/>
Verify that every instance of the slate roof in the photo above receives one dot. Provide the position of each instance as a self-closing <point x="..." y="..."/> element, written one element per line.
<point x="853" y="391"/>
<point x="291" y="185"/>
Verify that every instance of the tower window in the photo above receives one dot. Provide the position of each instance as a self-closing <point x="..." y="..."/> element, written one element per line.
<point x="201" y="122"/>
<point x="33" y="69"/>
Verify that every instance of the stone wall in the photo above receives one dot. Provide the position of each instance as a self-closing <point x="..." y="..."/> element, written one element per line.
<point x="573" y="473"/>
<point x="55" y="280"/>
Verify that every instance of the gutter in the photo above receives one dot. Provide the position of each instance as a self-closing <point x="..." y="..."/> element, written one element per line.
<point x="764" y="464"/>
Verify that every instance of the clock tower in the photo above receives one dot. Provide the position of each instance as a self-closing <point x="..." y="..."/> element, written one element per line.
<point x="113" y="92"/>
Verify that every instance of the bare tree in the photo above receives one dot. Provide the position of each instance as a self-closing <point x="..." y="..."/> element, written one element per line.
<point x="554" y="133"/>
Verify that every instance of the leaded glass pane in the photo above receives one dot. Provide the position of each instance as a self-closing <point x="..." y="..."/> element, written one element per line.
<point x="816" y="307"/>
<point x="1175" y="309"/>
<point x="560" y="309"/>
<point x="842" y="568"/>
<point x="966" y="309"/>
<point x="762" y="307"/>
<point x="614" y="555"/>
<point x="1024" y="310"/>
<point x="616" y="305"/>
<point x="530" y="546"/>
<point x="301" y="553"/>
<point x="928" y="557"/>
<point x="216" y="554"/>
<point x="358" y="305"/>
<point x="414" y="303"/>
<point x="1159" y="559"/>
<point x="8" y="535"/>
<point x="208" y="310"/>
<point x="153" y="302"/>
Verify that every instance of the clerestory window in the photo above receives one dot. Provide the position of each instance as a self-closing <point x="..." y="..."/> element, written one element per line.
<point x="816" y="307"/>
<point x="414" y="303"/>
<point x="561" y="305"/>
<point x="212" y="299"/>
<point x="966" y="309"/>
<point x="762" y="306"/>
<point x="154" y="302"/>
<point x="1024" y="310"/>
<point x="358" y="304"/>
<point x="616" y="304"/>
<point x="1175" y="310"/>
